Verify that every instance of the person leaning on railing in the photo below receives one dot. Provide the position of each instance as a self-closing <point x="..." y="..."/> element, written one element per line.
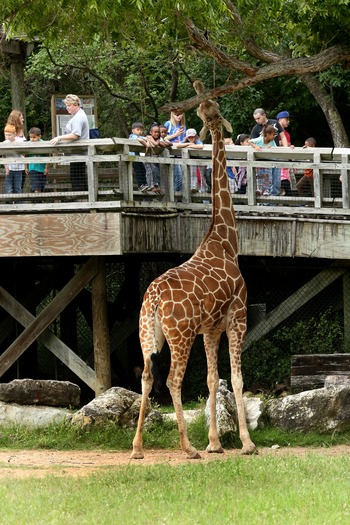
<point x="77" y="128"/>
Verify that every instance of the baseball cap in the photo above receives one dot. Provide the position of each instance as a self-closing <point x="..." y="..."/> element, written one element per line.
<point x="191" y="132"/>
<point x="283" y="114"/>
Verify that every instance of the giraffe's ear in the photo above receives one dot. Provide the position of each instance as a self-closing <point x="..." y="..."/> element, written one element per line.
<point x="203" y="133"/>
<point x="227" y="125"/>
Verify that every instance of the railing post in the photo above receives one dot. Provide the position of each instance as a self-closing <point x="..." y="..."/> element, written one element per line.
<point x="345" y="181"/>
<point x="126" y="175"/>
<point x="318" y="182"/>
<point x="92" y="175"/>
<point x="251" y="179"/>
<point x="186" y="177"/>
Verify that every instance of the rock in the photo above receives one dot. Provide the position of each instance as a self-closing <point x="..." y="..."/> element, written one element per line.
<point x="226" y="412"/>
<point x="153" y="418"/>
<point x="253" y="411"/>
<point x="319" y="410"/>
<point x="337" y="380"/>
<point x="32" y="416"/>
<point x="189" y="415"/>
<point x="40" y="392"/>
<point x="116" y="404"/>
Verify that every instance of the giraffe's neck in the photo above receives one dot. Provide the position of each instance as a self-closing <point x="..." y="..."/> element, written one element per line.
<point x="223" y="226"/>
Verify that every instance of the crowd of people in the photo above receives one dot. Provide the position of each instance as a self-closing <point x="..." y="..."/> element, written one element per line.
<point x="77" y="128"/>
<point x="266" y="133"/>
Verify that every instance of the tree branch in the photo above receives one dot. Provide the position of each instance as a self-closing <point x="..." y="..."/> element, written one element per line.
<point x="204" y="44"/>
<point x="251" y="46"/>
<point x="284" y="67"/>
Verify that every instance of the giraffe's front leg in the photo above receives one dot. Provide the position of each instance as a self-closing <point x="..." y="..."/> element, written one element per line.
<point x="235" y="335"/>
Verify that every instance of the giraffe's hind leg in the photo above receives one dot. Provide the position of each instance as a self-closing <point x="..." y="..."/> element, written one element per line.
<point x="211" y="345"/>
<point x="146" y="382"/>
<point x="174" y="383"/>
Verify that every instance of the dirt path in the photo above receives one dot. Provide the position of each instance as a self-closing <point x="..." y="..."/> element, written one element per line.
<point x="39" y="463"/>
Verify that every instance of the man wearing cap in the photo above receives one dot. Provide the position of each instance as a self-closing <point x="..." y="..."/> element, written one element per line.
<point x="261" y="120"/>
<point x="77" y="128"/>
<point x="283" y="118"/>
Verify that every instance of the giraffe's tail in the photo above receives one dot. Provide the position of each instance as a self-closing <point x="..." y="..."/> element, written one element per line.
<point x="155" y="369"/>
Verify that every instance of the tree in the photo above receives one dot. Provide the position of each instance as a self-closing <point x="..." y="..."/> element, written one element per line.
<point x="253" y="40"/>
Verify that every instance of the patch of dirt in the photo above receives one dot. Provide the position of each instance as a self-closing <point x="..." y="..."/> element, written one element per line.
<point x="40" y="463"/>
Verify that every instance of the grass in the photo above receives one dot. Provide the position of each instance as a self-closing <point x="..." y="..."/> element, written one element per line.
<point x="164" y="436"/>
<point x="264" y="490"/>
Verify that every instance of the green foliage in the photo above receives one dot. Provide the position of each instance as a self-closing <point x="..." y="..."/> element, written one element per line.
<point x="267" y="362"/>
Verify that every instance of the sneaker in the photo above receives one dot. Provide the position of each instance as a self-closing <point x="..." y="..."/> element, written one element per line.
<point x="258" y="192"/>
<point x="144" y="188"/>
<point x="156" y="189"/>
<point x="266" y="193"/>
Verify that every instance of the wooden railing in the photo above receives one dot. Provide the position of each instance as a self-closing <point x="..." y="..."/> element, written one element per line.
<point x="111" y="183"/>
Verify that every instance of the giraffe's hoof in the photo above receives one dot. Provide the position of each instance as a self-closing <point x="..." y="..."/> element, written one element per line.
<point x="213" y="450"/>
<point x="137" y="455"/>
<point x="194" y="455"/>
<point x="248" y="451"/>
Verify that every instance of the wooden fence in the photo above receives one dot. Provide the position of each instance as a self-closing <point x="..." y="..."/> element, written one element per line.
<point x="111" y="183"/>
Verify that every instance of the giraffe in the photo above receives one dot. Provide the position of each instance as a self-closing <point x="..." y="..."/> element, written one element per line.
<point x="205" y="295"/>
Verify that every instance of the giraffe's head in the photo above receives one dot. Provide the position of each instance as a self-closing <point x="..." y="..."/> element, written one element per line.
<point x="209" y="112"/>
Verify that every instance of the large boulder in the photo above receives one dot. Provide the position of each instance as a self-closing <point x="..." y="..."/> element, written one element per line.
<point x="40" y="392"/>
<point x="321" y="410"/>
<point x="32" y="416"/>
<point x="116" y="404"/>
<point x="226" y="412"/>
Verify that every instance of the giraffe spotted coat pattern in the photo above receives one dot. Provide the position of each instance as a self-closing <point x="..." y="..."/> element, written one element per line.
<point x="205" y="295"/>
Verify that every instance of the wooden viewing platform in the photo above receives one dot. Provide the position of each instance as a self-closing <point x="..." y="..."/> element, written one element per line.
<point x="113" y="218"/>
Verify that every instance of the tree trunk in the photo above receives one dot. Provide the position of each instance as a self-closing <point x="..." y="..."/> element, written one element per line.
<point x="335" y="123"/>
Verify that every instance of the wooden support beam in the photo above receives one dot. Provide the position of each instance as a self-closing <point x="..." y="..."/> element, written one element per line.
<point x="293" y="303"/>
<point x="50" y="340"/>
<point x="346" y="308"/>
<point x="47" y="316"/>
<point x="102" y="362"/>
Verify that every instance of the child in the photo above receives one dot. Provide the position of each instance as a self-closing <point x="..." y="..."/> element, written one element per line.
<point x="242" y="140"/>
<point x="264" y="175"/>
<point x="16" y="118"/>
<point x="13" y="181"/>
<point x="153" y="170"/>
<point x="138" y="167"/>
<point x="164" y="141"/>
<point x="197" y="172"/>
<point x="37" y="172"/>
<point x="305" y="185"/>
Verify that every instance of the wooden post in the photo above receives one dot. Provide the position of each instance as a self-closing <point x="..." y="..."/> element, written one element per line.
<point x="346" y="307"/>
<point x="102" y="362"/>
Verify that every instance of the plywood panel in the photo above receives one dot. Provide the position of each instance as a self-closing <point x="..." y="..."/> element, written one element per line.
<point x="60" y="234"/>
